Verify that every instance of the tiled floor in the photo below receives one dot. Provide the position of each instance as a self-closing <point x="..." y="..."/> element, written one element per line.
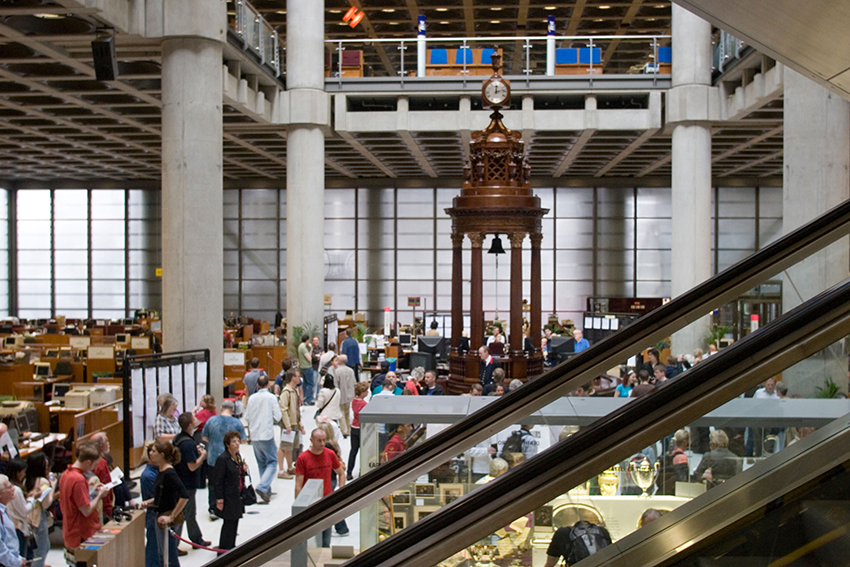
<point x="257" y="519"/>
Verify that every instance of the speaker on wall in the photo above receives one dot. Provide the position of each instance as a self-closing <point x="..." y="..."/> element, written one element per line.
<point x="105" y="61"/>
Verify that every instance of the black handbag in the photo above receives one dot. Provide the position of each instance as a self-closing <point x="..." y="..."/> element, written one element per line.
<point x="247" y="494"/>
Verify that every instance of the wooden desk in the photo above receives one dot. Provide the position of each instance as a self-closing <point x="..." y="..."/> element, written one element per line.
<point x="123" y="545"/>
<point x="10" y="374"/>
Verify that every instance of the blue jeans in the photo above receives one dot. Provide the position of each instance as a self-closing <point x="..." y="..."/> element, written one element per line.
<point x="309" y="385"/>
<point x="42" y="541"/>
<point x="152" y="556"/>
<point x="161" y="534"/>
<point x="266" y="454"/>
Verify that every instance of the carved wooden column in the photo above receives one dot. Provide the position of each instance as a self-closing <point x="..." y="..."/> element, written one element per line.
<point x="476" y="300"/>
<point x="516" y="292"/>
<point x="457" y="290"/>
<point x="536" y="291"/>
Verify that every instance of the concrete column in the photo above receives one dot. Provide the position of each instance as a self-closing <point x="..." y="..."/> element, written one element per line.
<point x="691" y="177"/>
<point x="816" y="177"/>
<point x="192" y="209"/>
<point x="305" y="165"/>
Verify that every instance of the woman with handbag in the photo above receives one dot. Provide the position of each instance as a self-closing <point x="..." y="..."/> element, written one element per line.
<point x="170" y="496"/>
<point x="41" y="484"/>
<point x="227" y="484"/>
<point x="328" y="400"/>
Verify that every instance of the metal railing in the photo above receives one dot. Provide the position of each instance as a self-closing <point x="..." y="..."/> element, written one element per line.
<point x="257" y="34"/>
<point x="538" y="59"/>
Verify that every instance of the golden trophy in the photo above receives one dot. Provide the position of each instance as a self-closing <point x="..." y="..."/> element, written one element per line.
<point x="644" y="474"/>
<point x="609" y="480"/>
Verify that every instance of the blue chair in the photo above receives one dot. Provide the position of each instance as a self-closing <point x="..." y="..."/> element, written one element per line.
<point x="566" y="56"/>
<point x="585" y="54"/>
<point x="463" y="55"/>
<point x="665" y="54"/>
<point x="487" y="55"/>
<point x="438" y="57"/>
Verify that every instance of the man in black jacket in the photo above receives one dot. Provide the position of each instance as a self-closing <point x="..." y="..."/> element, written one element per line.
<point x="431" y="387"/>
<point x="486" y="367"/>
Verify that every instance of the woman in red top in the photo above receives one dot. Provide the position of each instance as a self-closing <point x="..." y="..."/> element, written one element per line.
<point x="205" y="410"/>
<point x="361" y="390"/>
<point x="413" y="384"/>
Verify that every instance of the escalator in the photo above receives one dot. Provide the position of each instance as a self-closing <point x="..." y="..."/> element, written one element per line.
<point x="805" y="330"/>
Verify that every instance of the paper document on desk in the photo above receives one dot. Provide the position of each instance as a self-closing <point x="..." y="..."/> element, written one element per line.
<point x="287" y="437"/>
<point x="6" y="444"/>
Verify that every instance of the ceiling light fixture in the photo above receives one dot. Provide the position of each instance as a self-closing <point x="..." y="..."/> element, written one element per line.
<point x="388" y="10"/>
<point x="442" y="9"/>
<point x="604" y="7"/>
<point x="549" y="7"/>
<point x="335" y="11"/>
<point x="444" y="22"/>
<point x="495" y="22"/>
<point x="496" y="8"/>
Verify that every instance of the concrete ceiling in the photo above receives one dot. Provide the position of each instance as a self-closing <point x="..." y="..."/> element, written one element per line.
<point x="58" y="124"/>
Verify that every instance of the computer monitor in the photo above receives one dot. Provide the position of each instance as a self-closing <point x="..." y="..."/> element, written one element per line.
<point x="129" y="322"/>
<point x="426" y="360"/>
<point x="11" y="341"/>
<point x="52" y="354"/>
<point x="59" y="391"/>
<point x="122" y="338"/>
<point x="41" y="370"/>
<point x="405" y="339"/>
<point x="561" y="347"/>
<point x="438" y="346"/>
<point x="156" y="325"/>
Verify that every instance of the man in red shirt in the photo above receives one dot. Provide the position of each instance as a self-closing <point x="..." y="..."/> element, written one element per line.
<point x="318" y="463"/>
<point x="80" y="519"/>
<point x="101" y="470"/>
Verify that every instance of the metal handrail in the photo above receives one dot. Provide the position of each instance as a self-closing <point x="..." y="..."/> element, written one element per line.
<point x="421" y="44"/>
<point x="536" y="394"/>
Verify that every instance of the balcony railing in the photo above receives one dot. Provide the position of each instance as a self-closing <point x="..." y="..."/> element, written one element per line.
<point x="257" y="34"/>
<point x="540" y="55"/>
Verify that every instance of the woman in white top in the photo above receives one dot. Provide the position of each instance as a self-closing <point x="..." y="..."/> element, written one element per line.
<point x="20" y="507"/>
<point x="328" y="400"/>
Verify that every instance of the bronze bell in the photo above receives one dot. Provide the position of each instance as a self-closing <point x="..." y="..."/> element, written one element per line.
<point x="496" y="246"/>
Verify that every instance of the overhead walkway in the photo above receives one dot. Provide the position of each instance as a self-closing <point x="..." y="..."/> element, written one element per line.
<point x="800" y="333"/>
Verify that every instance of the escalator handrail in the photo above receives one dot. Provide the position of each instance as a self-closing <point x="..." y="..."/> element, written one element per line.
<point x="805" y="330"/>
<point x="538" y="393"/>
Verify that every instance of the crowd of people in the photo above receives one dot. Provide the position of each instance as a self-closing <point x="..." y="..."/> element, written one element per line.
<point x="203" y="448"/>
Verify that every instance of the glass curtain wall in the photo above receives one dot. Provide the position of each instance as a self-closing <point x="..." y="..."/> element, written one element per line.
<point x="384" y="245"/>
<point x="85" y="253"/>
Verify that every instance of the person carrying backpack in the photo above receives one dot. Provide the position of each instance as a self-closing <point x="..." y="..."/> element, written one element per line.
<point x="576" y="542"/>
<point x="520" y="441"/>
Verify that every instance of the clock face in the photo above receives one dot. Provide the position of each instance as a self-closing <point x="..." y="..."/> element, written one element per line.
<point x="496" y="92"/>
